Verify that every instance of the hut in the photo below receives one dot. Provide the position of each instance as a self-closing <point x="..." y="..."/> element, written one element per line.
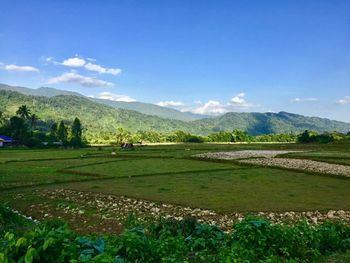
<point x="5" y="140"/>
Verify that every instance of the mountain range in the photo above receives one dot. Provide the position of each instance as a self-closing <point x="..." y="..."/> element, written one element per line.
<point x="105" y="116"/>
<point x="146" y="108"/>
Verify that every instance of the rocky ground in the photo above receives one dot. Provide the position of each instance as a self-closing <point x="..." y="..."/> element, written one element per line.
<point x="109" y="211"/>
<point x="302" y="164"/>
<point x="267" y="158"/>
<point x="242" y="154"/>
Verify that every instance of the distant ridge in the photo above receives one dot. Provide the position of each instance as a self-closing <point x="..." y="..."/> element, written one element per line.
<point x="101" y="118"/>
<point x="151" y="109"/>
<point x="145" y="108"/>
<point x="42" y="91"/>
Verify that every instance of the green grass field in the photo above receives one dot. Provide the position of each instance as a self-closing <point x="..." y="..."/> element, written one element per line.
<point x="168" y="174"/>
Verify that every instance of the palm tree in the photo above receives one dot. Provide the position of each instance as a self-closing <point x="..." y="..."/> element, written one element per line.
<point x="33" y="120"/>
<point x="23" y="111"/>
<point x="1" y="116"/>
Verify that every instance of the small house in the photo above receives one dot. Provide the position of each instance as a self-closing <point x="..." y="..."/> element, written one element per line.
<point x="127" y="146"/>
<point x="5" y="140"/>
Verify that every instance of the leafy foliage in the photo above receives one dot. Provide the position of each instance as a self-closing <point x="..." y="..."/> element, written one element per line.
<point x="18" y="128"/>
<point x="312" y="136"/>
<point x="252" y="240"/>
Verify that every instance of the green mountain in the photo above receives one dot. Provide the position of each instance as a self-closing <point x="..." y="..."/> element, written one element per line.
<point x="151" y="109"/>
<point x="266" y="123"/>
<point x="43" y="91"/>
<point x="145" y="108"/>
<point x="96" y="117"/>
<point x="103" y="119"/>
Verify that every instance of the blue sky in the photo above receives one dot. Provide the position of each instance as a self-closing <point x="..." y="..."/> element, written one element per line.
<point x="204" y="56"/>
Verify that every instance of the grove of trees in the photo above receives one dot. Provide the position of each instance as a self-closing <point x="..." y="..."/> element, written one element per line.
<point x="27" y="129"/>
<point x="23" y="129"/>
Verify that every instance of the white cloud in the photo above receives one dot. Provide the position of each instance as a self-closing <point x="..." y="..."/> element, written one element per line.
<point x="170" y="103"/>
<point x="115" y="97"/>
<point x="343" y="101"/>
<point x="212" y="107"/>
<point x="73" y="77"/>
<point x="74" y="62"/>
<point x="102" y="70"/>
<point x="48" y="60"/>
<point x="239" y="99"/>
<point x="15" y="68"/>
<point x="304" y="99"/>
<point x="77" y="62"/>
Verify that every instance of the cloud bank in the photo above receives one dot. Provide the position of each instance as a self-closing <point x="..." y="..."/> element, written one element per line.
<point x="170" y="103"/>
<point x="77" y="62"/>
<point x="84" y="81"/>
<point x="16" y="68"/>
<point x="211" y="107"/>
<point x="304" y="99"/>
<point x="115" y="97"/>
<point x="344" y="100"/>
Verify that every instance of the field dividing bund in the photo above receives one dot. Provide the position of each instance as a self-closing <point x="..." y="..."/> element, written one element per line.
<point x="165" y="175"/>
<point x="16" y="173"/>
<point x="151" y="166"/>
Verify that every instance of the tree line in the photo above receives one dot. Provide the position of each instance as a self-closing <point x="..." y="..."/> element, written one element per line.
<point x="27" y="129"/>
<point x="22" y="127"/>
<point x="326" y="137"/>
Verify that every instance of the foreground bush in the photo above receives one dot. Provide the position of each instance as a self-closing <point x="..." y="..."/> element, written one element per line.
<point x="252" y="240"/>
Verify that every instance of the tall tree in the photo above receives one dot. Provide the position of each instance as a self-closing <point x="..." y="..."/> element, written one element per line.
<point x="54" y="132"/>
<point x="1" y="117"/>
<point x="77" y="131"/>
<point x="23" y="111"/>
<point x="122" y="136"/>
<point x="33" y="120"/>
<point x="18" y="129"/>
<point x="62" y="133"/>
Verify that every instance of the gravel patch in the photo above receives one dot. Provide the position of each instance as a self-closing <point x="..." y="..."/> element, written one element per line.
<point x="242" y="154"/>
<point x="302" y="164"/>
<point x="111" y="207"/>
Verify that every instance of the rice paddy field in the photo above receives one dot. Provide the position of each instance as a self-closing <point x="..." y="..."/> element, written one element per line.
<point x="173" y="175"/>
<point x="97" y="189"/>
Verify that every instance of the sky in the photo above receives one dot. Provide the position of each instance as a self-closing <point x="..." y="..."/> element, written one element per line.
<point x="208" y="57"/>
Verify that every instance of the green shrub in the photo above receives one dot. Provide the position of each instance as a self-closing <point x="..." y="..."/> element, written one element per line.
<point x="252" y="240"/>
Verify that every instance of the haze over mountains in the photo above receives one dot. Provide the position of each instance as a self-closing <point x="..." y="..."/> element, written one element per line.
<point x="99" y="115"/>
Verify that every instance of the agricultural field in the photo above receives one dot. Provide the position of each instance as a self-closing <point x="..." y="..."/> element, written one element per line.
<point x="173" y="174"/>
<point x="95" y="191"/>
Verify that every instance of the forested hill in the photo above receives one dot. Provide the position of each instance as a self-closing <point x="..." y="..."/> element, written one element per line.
<point x="43" y="91"/>
<point x="267" y="123"/>
<point x="145" y="108"/>
<point x="96" y="117"/>
<point x="151" y="109"/>
<point x="100" y="118"/>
